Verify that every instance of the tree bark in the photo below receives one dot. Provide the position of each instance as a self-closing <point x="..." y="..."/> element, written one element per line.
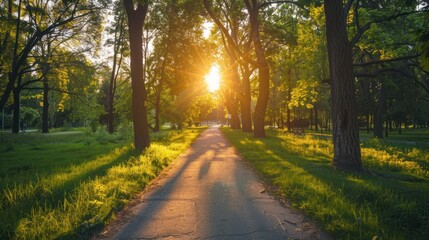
<point x="347" y="155"/>
<point x="263" y="73"/>
<point x="136" y="19"/>
<point x="232" y="108"/>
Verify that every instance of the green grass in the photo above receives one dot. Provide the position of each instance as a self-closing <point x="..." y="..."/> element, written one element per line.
<point x="62" y="186"/>
<point x="418" y="136"/>
<point x="389" y="200"/>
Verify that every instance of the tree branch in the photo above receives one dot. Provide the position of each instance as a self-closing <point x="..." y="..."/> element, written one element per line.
<point x="376" y="73"/>
<point x="265" y="4"/>
<point x="365" y="27"/>
<point x="385" y="61"/>
<point x="347" y="7"/>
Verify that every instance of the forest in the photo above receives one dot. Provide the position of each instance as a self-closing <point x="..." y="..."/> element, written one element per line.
<point x="67" y="64"/>
<point x="121" y="71"/>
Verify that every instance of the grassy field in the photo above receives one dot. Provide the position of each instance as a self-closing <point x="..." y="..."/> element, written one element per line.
<point x="65" y="184"/>
<point x="389" y="200"/>
<point x="419" y="136"/>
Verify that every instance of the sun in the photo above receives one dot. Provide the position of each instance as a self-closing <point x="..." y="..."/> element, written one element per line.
<point x="213" y="79"/>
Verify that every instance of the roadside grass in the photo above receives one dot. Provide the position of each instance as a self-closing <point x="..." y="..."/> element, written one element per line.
<point x="389" y="200"/>
<point x="410" y="135"/>
<point x="63" y="186"/>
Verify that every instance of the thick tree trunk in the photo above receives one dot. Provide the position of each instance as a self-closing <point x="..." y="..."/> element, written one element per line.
<point x="231" y="107"/>
<point x="136" y="19"/>
<point x="45" y="110"/>
<point x="347" y="155"/>
<point x="263" y="73"/>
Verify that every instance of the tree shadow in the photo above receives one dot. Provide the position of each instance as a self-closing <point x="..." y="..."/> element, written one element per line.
<point x="213" y="205"/>
<point x="390" y="200"/>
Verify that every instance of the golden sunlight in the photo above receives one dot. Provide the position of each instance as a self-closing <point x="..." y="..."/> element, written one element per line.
<point x="213" y="79"/>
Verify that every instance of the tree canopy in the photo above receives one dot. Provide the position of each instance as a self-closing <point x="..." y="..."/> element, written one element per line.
<point x="95" y="62"/>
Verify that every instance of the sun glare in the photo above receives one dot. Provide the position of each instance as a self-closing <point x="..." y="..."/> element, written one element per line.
<point x="213" y="79"/>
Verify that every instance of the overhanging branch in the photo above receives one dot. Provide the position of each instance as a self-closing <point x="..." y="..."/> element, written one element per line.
<point x="385" y="61"/>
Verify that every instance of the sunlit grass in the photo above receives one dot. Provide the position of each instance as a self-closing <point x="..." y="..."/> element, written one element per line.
<point x="62" y="187"/>
<point x="389" y="200"/>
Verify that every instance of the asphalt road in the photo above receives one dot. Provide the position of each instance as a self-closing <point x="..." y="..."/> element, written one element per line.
<point x="209" y="193"/>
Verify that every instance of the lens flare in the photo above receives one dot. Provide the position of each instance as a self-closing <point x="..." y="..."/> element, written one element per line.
<point x="212" y="79"/>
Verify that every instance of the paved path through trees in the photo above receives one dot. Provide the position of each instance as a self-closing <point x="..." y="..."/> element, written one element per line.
<point x="210" y="193"/>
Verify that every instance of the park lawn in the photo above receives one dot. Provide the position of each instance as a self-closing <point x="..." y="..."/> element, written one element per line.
<point x="65" y="185"/>
<point x="411" y="136"/>
<point x="389" y="200"/>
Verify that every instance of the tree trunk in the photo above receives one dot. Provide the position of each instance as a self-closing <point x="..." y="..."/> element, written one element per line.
<point x="231" y="107"/>
<point x="234" y="95"/>
<point x="316" y="121"/>
<point x="12" y="76"/>
<point x="347" y="155"/>
<point x="16" y="110"/>
<point x="245" y="104"/>
<point x="399" y="127"/>
<point x="45" y="110"/>
<point x="379" y="113"/>
<point x="263" y="73"/>
<point x="158" y="107"/>
<point x="111" y="96"/>
<point x="116" y="65"/>
<point x="289" y="98"/>
<point x="386" y="133"/>
<point x="136" y="19"/>
<point x="390" y="125"/>
<point x="368" y="122"/>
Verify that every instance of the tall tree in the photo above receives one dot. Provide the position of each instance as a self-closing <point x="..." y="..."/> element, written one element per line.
<point x="347" y="155"/>
<point x="264" y="71"/>
<point x="136" y="17"/>
<point x="118" y="44"/>
<point x="45" y="18"/>
<point x="234" y="30"/>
